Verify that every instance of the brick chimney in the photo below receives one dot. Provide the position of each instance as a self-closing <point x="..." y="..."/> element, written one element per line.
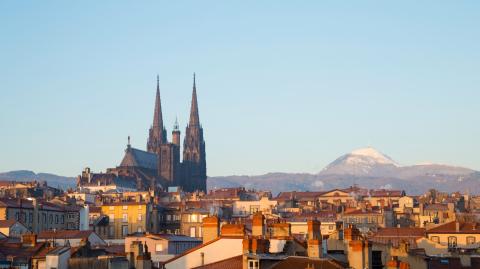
<point x="359" y="254"/>
<point x="258" y="227"/>
<point x="29" y="240"/>
<point x="281" y="230"/>
<point x="233" y="230"/>
<point x="210" y="228"/>
<point x="351" y="233"/>
<point x="314" y="248"/>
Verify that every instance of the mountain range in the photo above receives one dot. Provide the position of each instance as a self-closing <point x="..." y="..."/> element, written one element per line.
<point x="366" y="167"/>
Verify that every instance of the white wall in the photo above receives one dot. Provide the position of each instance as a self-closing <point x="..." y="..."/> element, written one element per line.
<point x="221" y="249"/>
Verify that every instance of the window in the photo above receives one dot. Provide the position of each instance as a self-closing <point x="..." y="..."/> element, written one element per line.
<point x="139" y="207"/>
<point x="30" y="217"/>
<point x="452" y="241"/>
<point x="192" y="231"/>
<point x="111" y="231"/>
<point x="470" y="240"/>
<point x="125" y="207"/>
<point x="112" y="208"/>
<point x="125" y="230"/>
<point x="125" y="217"/>
<point x="193" y="218"/>
<point x="435" y="239"/>
<point x="56" y="219"/>
<point x="169" y="217"/>
<point x="254" y="209"/>
<point x="51" y="219"/>
<point x="17" y="216"/>
<point x="62" y="219"/>
<point x="139" y="229"/>
<point x="158" y="247"/>
<point x="140" y="217"/>
<point x="252" y="264"/>
<point x="111" y="218"/>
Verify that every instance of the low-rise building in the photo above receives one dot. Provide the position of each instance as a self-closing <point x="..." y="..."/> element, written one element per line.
<point x="162" y="247"/>
<point x="127" y="217"/>
<point x="246" y="208"/>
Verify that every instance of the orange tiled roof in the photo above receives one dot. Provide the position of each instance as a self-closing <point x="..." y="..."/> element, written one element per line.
<point x="451" y="227"/>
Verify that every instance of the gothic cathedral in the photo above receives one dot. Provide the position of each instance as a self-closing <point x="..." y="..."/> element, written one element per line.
<point x="161" y="164"/>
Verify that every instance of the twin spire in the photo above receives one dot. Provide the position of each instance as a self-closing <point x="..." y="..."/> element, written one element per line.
<point x="194" y="117"/>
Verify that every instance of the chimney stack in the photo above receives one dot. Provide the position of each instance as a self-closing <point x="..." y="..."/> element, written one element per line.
<point x="29" y="240"/>
<point x="258" y="227"/>
<point x="210" y="228"/>
<point x="314" y="248"/>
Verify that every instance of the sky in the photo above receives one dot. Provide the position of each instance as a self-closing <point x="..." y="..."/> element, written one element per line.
<point x="283" y="86"/>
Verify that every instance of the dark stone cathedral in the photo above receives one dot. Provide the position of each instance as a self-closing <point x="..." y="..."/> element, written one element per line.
<point x="161" y="166"/>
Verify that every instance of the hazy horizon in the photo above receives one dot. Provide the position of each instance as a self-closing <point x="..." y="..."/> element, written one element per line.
<point x="282" y="87"/>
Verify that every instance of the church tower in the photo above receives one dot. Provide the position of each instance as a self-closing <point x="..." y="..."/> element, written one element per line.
<point x="194" y="159"/>
<point x="157" y="135"/>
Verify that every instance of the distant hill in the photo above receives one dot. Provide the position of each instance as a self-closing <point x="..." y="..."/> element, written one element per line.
<point x="366" y="167"/>
<point x="51" y="179"/>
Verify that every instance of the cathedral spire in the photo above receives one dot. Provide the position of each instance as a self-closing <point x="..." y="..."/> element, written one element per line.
<point x="157" y="135"/>
<point x="194" y="118"/>
<point x="157" y="116"/>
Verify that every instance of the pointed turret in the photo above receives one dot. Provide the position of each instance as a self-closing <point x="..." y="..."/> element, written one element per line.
<point x="194" y="117"/>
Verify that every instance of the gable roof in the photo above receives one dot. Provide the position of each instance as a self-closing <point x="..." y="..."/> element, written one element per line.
<point x="138" y="158"/>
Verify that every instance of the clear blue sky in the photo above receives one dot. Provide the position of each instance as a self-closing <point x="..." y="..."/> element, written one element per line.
<point x="282" y="86"/>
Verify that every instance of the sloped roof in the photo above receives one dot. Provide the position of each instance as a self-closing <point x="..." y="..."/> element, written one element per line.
<point x="230" y="263"/>
<point x="139" y="158"/>
<point x="451" y="227"/>
<point x="7" y="223"/>
<point x="306" y="262"/>
<point x="300" y="195"/>
<point x="64" y="234"/>
<point x="105" y="179"/>
<point x="397" y="235"/>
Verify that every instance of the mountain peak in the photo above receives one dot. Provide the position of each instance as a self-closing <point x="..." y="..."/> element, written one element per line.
<point x="373" y="154"/>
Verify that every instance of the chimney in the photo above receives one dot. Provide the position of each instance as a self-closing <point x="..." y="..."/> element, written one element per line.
<point x="281" y="230"/>
<point x="35" y="215"/>
<point x="359" y="254"/>
<point x="351" y="233"/>
<point x="210" y="228"/>
<point x="233" y="230"/>
<point x="457" y="226"/>
<point x="29" y="240"/>
<point x="314" y="248"/>
<point x="258" y="227"/>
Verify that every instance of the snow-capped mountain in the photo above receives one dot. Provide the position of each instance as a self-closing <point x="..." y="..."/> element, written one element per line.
<point x="366" y="167"/>
<point x="361" y="162"/>
<point x="372" y="163"/>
